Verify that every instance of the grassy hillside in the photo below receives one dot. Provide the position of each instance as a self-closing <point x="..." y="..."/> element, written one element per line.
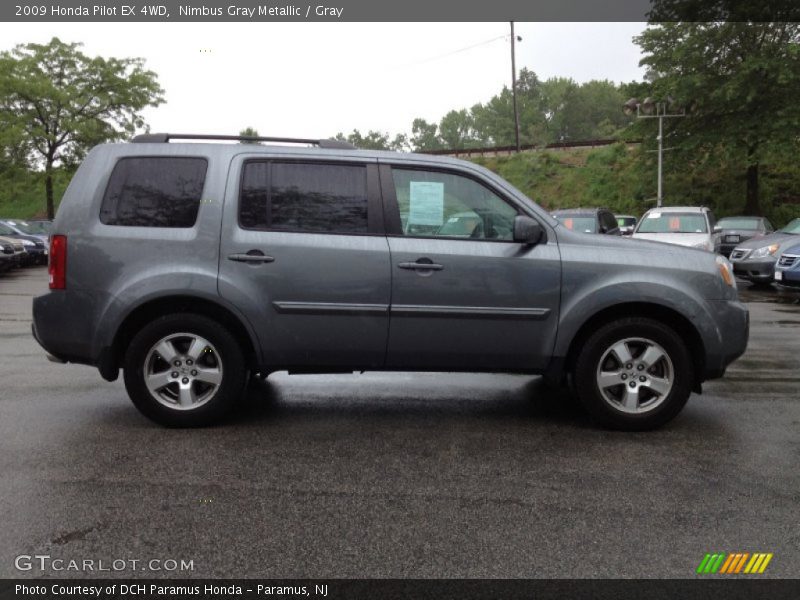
<point x="624" y="179"/>
<point x="22" y="193"/>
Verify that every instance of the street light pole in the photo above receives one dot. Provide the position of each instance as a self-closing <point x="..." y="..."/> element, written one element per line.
<point x="514" y="87"/>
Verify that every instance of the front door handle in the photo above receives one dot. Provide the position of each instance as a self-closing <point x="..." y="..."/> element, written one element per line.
<point x="421" y="266"/>
<point x="252" y="256"/>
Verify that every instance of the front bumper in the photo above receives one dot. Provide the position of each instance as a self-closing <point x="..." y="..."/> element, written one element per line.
<point x="732" y="321"/>
<point x="757" y="271"/>
<point x="789" y="279"/>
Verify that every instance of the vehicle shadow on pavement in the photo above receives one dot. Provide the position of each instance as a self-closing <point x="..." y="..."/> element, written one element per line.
<point x="284" y="398"/>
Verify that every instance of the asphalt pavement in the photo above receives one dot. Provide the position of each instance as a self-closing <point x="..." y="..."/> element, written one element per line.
<point x="395" y="475"/>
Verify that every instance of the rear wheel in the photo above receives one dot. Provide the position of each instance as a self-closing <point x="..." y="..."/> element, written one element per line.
<point x="184" y="370"/>
<point x="634" y="374"/>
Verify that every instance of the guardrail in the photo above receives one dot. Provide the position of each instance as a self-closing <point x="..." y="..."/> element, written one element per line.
<point x="508" y="150"/>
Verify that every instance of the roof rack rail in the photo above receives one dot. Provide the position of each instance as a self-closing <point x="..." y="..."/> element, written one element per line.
<point x="163" y="138"/>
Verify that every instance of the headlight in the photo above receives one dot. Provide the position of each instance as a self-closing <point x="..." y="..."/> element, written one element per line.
<point x="726" y="271"/>
<point x="765" y="251"/>
<point x="27" y="243"/>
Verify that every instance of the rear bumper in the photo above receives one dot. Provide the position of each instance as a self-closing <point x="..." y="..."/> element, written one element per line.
<point x="64" y="324"/>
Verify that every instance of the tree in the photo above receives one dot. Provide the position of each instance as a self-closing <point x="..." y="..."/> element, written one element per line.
<point x="425" y="136"/>
<point x="64" y="102"/>
<point x="249" y="132"/>
<point x="456" y="129"/>
<point x="739" y="83"/>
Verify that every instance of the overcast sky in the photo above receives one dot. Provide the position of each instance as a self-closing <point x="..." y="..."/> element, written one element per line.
<point x="316" y="79"/>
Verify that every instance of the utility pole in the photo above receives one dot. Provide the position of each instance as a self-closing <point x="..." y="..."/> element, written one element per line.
<point x="652" y="109"/>
<point x="514" y="87"/>
<point x="660" y="198"/>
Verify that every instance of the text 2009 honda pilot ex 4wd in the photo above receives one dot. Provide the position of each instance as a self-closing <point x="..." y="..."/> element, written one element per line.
<point x="191" y="266"/>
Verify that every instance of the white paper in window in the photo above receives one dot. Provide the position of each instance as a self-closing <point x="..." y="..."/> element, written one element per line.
<point x="426" y="203"/>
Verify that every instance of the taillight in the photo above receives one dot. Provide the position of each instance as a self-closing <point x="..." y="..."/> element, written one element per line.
<point x="58" y="262"/>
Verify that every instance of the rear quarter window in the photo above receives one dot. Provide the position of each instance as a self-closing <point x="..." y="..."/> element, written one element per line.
<point x="154" y="191"/>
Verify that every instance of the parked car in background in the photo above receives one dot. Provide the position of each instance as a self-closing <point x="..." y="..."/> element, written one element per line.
<point x="627" y="223"/>
<point x="755" y="259"/>
<point x="692" y="226"/>
<point x="7" y="255"/>
<point x="28" y="228"/>
<point x="13" y="252"/>
<point x="735" y="230"/>
<point x="35" y="249"/>
<point x="787" y="268"/>
<point x="588" y="220"/>
<point x="43" y="224"/>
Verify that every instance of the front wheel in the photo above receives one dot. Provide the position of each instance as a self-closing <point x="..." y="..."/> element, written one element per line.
<point x="184" y="370"/>
<point x="634" y="374"/>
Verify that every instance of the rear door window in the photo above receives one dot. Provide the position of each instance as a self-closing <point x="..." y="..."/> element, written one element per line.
<point x="154" y="191"/>
<point x="304" y="197"/>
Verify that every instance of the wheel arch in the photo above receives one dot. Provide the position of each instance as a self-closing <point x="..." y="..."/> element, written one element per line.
<point x="172" y="304"/>
<point x="657" y="312"/>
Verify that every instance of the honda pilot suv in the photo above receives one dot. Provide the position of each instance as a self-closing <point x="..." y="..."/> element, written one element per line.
<point x="191" y="267"/>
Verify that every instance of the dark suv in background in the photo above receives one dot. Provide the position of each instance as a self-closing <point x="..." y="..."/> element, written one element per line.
<point x="192" y="266"/>
<point x="735" y="230"/>
<point x="588" y="220"/>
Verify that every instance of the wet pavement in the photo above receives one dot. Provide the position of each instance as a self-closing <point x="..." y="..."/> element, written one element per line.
<point x="397" y="475"/>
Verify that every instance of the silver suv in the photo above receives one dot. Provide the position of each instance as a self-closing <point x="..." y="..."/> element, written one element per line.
<point x="193" y="266"/>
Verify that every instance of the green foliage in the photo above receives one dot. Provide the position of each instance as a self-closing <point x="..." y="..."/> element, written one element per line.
<point x="56" y="103"/>
<point x="249" y="132"/>
<point x="375" y="140"/>
<point x="424" y="136"/>
<point x="622" y="178"/>
<point x="21" y="191"/>
<point x="554" y="110"/>
<point x="739" y="83"/>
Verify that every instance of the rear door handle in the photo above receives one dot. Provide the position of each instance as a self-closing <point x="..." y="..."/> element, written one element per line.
<point x="253" y="256"/>
<point x="421" y="266"/>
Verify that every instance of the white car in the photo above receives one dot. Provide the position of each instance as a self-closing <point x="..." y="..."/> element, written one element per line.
<point x="692" y="226"/>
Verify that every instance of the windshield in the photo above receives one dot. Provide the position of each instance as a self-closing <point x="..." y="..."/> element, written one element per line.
<point x="792" y="227"/>
<point x="4" y="230"/>
<point x="738" y="223"/>
<point x="463" y="225"/>
<point x="672" y="222"/>
<point x="585" y="224"/>
<point x="28" y="228"/>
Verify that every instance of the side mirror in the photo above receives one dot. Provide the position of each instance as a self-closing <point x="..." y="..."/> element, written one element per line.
<point x="527" y="230"/>
<point x="717" y="229"/>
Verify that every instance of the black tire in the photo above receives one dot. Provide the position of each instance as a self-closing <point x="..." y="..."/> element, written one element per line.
<point x="227" y="356"/>
<point x="666" y="406"/>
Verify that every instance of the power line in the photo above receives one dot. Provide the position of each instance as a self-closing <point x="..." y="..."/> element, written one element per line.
<point x="451" y="53"/>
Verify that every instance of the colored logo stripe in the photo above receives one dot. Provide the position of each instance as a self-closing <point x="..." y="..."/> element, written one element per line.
<point x="734" y="563"/>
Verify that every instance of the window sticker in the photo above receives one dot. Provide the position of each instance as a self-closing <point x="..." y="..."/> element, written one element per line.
<point x="426" y="203"/>
<point x="654" y="215"/>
